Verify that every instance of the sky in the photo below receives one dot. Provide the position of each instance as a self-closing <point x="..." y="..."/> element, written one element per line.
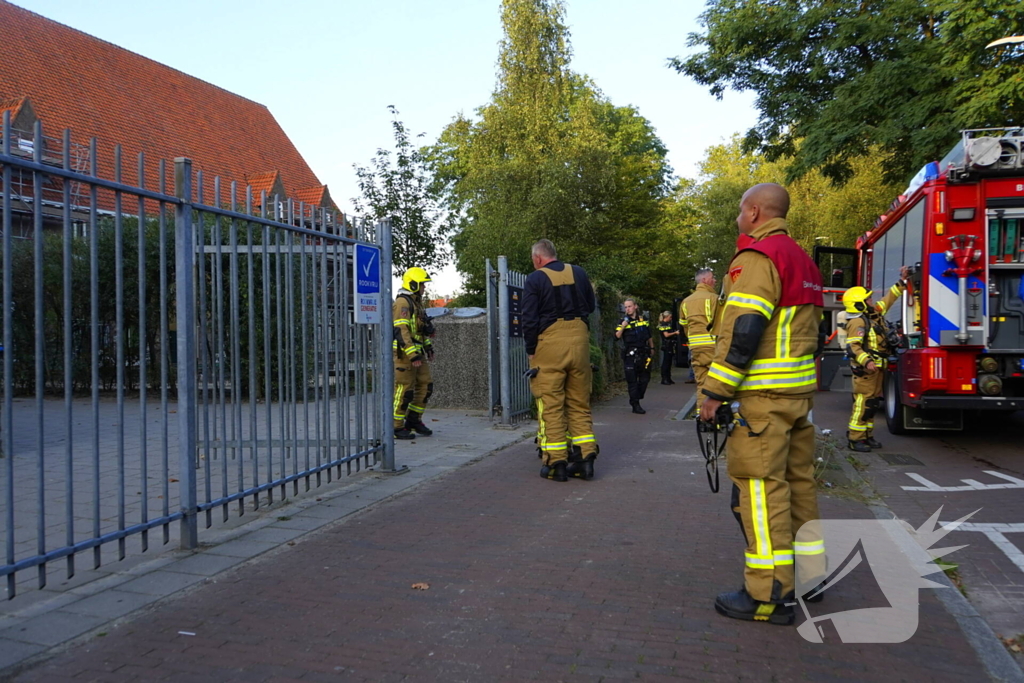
<point x="328" y="69"/>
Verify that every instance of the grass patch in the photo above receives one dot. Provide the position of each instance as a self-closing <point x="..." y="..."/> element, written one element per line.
<point x="953" y="572"/>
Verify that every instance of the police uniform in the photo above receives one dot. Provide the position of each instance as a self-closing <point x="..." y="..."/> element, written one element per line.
<point x="699" y="311"/>
<point x="668" y="350"/>
<point x="636" y="356"/>
<point x="556" y="302"/>
<point x="413" y="385"/>
<point x="866" y="340"/>
<point x="765" y="360"/>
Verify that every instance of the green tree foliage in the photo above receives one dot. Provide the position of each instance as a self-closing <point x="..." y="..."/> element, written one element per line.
<point x="403" y="189"/>
<point x="550" y="156"/>
<point x="820" y="212"/>
<point x="848" y="78"/>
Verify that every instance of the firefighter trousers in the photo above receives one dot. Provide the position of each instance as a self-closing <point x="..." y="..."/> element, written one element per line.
<point x="562" y="390"/>
<point x="771" y="464"/>
<point x="700" y="361"/>
<point x="867" y="398"/>
<point x="413" y="387"/>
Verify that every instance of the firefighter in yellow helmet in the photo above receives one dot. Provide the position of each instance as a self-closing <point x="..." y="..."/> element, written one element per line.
<point x="868" y="349"/>
<point x="763" y="365"/>
<point x="413" y="351"/>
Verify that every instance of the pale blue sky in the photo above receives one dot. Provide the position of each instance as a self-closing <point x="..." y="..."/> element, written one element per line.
<point x="328" y="69"/>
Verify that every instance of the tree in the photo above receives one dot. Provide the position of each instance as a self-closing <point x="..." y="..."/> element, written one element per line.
<point x="404" y="190"/>
<point x="550" y="156"/>
<point x="848" y="78"/>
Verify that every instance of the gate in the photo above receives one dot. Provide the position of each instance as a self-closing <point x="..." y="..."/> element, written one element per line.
<point x="168" y="353"/>
<point x="511" y="399"/>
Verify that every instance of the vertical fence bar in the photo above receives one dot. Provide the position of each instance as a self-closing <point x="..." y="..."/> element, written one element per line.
<point x="94" y="332"/>
<point x="40" y="345"/>
<point x="236" y="350"/>
<point x="387" y="369"/>
<point x="143" y="358"/>
<point x="204" y="347"/>
<point x="222" y="372"/>
<point x="8" y="418"/>
<point x="493" y="386"/>
<point x="165" y="333"/>
<point x="503" y="354"/>
<point x="119" y="352"/>
<point x="184" y="278"/>
<point x="69" y="449"/>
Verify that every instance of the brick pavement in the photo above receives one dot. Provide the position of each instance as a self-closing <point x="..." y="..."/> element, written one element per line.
<point x="529" y="580"/>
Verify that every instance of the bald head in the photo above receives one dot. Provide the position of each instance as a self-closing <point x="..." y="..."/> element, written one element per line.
<point x="760" y="204"/>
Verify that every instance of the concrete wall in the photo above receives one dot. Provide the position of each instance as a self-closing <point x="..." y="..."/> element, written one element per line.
<point x="460" y="363"/>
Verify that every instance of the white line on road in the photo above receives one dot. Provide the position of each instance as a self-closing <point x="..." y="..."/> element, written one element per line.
<point x="995" y="531"/>
<point x="970" y="484"/>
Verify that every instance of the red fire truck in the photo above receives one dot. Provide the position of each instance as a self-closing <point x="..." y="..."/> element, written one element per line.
<point x="960" y="225"/>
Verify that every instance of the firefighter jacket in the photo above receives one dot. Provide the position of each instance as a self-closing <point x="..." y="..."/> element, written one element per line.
<point x="410" y="322"/>
<point x="698" y="314"/>
<point x="866" y="337"/>
<point x="768" y="334"/>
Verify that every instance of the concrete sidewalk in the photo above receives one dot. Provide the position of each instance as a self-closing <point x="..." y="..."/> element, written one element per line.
<point x="38" y="620"/>
<point x="516" y="578"/>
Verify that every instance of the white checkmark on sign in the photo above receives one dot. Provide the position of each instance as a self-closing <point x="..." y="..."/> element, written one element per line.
<point x="366" y="268"/>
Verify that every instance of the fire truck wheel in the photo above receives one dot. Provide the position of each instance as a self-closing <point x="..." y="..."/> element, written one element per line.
<point x="895" y="416"/>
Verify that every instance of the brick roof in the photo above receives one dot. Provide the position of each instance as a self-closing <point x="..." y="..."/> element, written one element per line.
<point x="11" y="104"/>
<point x="98" y="89"/>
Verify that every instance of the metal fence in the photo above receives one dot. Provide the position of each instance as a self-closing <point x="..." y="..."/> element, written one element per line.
<point x="171" y="350"/>
<point x="511" y="399"/>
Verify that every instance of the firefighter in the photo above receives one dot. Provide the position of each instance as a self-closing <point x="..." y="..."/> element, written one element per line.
<point x="699" y="310"/>
<point x="669" y="337"/>
<point x="637" y="350"/>
<point x="557" y="298"/>
<point x="764" y="365"/>
<point x="868" y="348"/>
<point x="413" y="351"/>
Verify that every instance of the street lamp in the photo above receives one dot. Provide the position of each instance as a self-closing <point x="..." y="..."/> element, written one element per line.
<point x="1009" y="40"/>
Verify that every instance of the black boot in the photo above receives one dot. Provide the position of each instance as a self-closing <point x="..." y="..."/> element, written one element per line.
<point x="860" y="446"/>
<point x="404" y="433"/>
<point x="417" y="426"/>
<point x="816" y="594"/>
<point x="739" y="605"/>
<point x="873" y="443"/>
<point x="637" y="409"/>
<point x="555" y="472"/>
<point x="665" y="381"/>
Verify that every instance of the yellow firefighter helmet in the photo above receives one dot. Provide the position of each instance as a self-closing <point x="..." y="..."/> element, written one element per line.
<point x="855" y="298"/>
<point x="414" y="278"/>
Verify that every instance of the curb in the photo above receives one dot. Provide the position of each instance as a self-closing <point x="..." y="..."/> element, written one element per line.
<point x="999" y="664"/>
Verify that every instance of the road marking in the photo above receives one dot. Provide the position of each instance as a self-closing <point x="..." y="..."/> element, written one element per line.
<point x="970" y="484"/>
<point x="995" y="532"/>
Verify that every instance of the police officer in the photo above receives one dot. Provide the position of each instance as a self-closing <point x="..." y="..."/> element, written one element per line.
<point x="412" y="353"/>
<point x="764" y="361"/>
<point x="637" y="349"/>
<point x="699" y="310"/>
<point x="669" y="337"/>
<point x="868" y="348"/>
<point x="557" y="298"/>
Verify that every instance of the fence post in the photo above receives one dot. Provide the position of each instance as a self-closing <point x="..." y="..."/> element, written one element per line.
<point x="185" y="305"/>
<point x="493" y="384"/>
<point x="387" y="366"/>
<point x="503" y="349"/>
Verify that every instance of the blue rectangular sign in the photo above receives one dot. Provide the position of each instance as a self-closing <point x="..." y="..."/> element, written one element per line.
<point x="366" y="284"/>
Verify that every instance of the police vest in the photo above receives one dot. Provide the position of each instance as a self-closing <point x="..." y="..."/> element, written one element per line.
<point x="567" y="298"/>
<point x="636" y="332"/>
<point x="801" y="279"/>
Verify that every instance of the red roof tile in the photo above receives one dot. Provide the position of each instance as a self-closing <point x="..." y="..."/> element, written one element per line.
<point x="12" y="104"/>
<point x="100" y="90"/>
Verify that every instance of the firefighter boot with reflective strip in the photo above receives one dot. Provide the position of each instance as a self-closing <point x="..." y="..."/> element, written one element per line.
<point x="555" y="472"/>
<point x="404" y="433"/>
<point x="861" y="446"/>
<point x="579" y="466"/>
<point x="816" y="594"/>
<point x="739" y="605"/>
<point x="872" y="442"/>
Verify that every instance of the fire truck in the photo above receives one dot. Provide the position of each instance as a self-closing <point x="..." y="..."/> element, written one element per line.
<point x="960" y="225"/>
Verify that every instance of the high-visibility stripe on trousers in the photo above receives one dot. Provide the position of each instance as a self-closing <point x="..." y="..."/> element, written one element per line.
<point x="413" y="387"/>
<point x="867" y="392"/>
<point x="562" y="390"/>
<point x="771" y="463"/>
